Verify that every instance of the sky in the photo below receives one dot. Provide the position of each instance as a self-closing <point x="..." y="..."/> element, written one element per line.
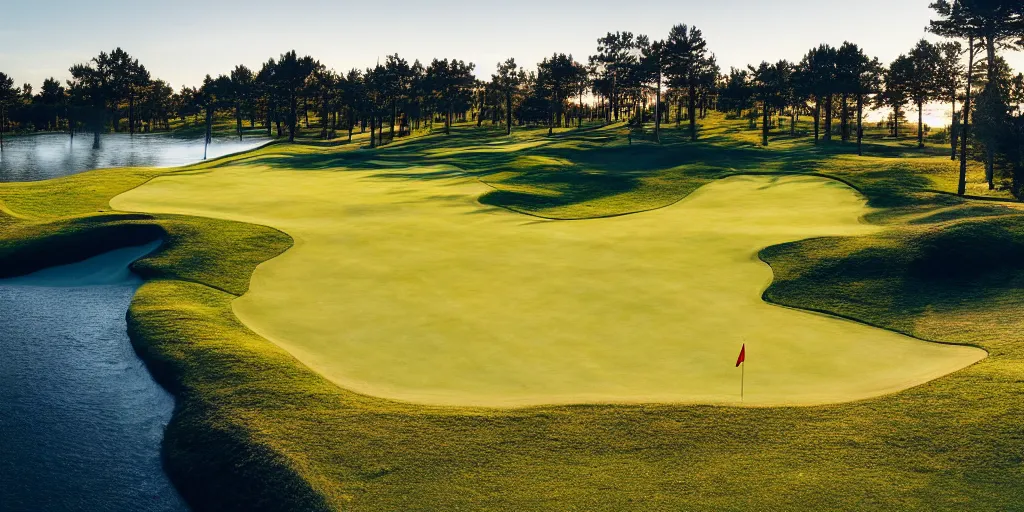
<point x="181" y="41"/>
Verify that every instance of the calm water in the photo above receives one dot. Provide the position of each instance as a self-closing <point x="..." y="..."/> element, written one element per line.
<point x="41" y="157"/>
<point x="81" y="419"/>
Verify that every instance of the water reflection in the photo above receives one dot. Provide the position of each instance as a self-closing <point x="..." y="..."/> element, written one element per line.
<point x="45" y="156"/>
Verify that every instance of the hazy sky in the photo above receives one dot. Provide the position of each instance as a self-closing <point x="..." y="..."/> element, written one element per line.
<point x="182" y="40"/>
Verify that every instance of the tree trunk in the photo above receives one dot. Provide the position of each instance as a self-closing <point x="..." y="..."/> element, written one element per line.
<point x="828" y="118"/>
<point x="764" y="122"/>
<point x="792" y="121"/>
<point x="692" y="108"/>
<point x="373" y="132"/>
<point x="394" y="116"/>
<point x="293" y="120"/>
<point x="990" y="167"/>
<point x="238" y="121"/>
<point x="613" y="101"/>
<point x="953" y="131"/>
<point x="990" y="47"/>
<point x="325" y="116"/>
<point x="657" y="110"/>
<point x="270" y="123"/>
<point x="305" y="110"/>
<point x="920" y="124"/>
<point x="845" y="121"/>
<point x="209" y="130"/>
<point x="508" y="113"/>
<point x="817" y="117"/>
<point x="965" y="121"/>
<point x="860" y="124"/>
<point x="579" y="123"/>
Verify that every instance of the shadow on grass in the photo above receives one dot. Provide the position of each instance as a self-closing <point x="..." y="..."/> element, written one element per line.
<point x="534" y="171"/>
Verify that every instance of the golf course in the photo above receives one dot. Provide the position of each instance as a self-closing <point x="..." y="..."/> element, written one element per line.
<point x="477" y="321"/>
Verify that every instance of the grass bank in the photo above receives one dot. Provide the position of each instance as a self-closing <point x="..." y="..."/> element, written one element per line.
<point x="257" y="430"/>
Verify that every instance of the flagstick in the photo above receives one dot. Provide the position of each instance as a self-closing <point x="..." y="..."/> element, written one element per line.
<point x="743" y="375"/>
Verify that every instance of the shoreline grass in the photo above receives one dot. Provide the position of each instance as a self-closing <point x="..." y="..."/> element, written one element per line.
<point x="255" y="430"/>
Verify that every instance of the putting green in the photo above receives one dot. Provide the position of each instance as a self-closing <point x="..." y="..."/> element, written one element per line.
<point x="402" y="285"/>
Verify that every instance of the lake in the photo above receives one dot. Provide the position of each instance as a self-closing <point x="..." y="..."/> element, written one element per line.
<point x="81" y="419"/>
<point x="52" y="155"/>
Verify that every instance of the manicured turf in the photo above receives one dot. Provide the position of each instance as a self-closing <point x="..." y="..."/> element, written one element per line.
<point x="256" y="430"/>
<point x="408" y="288"/>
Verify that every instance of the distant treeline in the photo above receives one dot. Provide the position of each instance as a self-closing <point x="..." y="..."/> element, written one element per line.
<point x="630" y="77"/>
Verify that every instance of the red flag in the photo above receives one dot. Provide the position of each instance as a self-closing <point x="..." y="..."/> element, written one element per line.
<point x="743" y="356"/>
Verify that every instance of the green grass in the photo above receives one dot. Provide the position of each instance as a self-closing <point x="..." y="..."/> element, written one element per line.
<point x="257" y="430"/>
<point x="486" y="307"/>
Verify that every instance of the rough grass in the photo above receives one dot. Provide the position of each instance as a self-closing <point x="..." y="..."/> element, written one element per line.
<point x="256" y="430"/>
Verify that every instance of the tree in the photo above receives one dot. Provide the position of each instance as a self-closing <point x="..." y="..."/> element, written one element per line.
<point x="614" y="58"/>
<point x="158" y="104"/>
<point x="212" y="96"/>
<point x="508" y="80"/>
<point x="897" y="89"/>
<point x="353" y="97"/>
<point x="265" y="89"/>
<point x="653" y="66"/>
<point x="922" y="82"/>
<point x="1011" y="148"/>
<point x="815" y="77"/>
<point x="53" y="97"/>
<point x="581" y="84"/>
<point x="290" y="75"/>
<point x="556" y="78"/>
<point x="122" y="78"/>
<point x="948" y="82"/>
<point x="786" y="93"/>
<point x="769" y="83"/>
<point x="323" y="85"/>
<point x="686" y="61"/>
<point x="376" y="94"/>
<point x="89" y="94"/>
<point x="8" y="93"/>
<point x="736" y="93"/>
<point x="452" y="85"/>
<point x="868" y="81"/>
<point x="241" y="90"/>
<point x="1016" y="93"/>
<point x="849" y="59"/>
<point x="398" y="77"/>
<point x="996" y="24"/>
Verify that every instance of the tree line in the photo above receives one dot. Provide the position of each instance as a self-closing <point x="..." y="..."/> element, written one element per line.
<point x="630" y="78"/>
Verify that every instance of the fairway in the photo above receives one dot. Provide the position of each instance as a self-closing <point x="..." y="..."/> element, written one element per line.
<point x="402" y="285"/>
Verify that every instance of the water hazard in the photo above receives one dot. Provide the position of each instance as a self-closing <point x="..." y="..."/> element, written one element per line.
<point x="81" y="420"/>
<point x="52" y="155"/>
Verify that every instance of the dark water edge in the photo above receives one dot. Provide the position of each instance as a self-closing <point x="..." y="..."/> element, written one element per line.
<point x="81" y="419"/>
<point x="52" y="155"/>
